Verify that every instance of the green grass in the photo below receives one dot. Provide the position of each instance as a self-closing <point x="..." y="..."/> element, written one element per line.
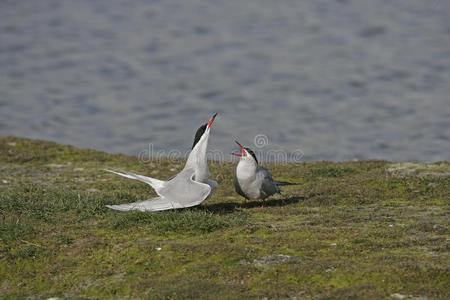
<point x="348" y="230"/>
<point x="184" y="222"/>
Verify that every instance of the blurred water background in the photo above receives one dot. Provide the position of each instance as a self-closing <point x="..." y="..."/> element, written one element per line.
<point x="336" y="79"/>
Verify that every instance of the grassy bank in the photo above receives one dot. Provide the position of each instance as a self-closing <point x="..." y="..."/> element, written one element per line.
<point x="365" y="229"/>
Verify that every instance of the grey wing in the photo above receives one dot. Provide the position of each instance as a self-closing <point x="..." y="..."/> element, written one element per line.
<point x="181" y="191"/>
<point x="213" y="185"/>
<point x="268" y="186"/>
<point x="152" y="204"/>
<point x="237" y="187"/>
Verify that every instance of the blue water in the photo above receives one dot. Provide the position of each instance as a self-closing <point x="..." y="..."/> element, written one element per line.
<point x="335" y="80"/>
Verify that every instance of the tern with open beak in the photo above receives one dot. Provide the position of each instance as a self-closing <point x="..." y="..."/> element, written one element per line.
<point x="251" y="180"/>
<point x="188" y="188"/>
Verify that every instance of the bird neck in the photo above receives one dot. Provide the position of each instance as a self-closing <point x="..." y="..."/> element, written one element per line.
<point x="198" y="161"/>
<point x="246" y="168"/>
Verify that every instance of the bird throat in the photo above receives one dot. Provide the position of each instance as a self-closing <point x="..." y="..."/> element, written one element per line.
<point x="246" y="169"/>
<point x="197" y="159"/>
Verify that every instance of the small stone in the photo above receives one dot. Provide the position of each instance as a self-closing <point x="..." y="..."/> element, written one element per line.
<point x="399" y="296"/>
<point x="391" y="225"/>
<point x="78" y="169"/>
<point x="5" y="285"/>
<point x="4" y="181"/>
<point x="12" y="144"/>
<point x="158" y="248"/>
<point x="55" y="165"/>
<point x="273" y="260"/>
<point x="333" y="244"/>
<point x="332" y="269"/>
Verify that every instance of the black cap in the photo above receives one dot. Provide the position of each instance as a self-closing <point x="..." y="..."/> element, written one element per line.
<point x="251" y="153"/>
<point x="199" y="134"/>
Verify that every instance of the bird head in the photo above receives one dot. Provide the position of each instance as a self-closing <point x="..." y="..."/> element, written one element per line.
<point x="246" y="153"/>
<point x="203" y="131"/>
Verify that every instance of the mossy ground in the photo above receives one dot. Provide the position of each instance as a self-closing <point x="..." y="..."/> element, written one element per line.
<point x="346" y="230"/>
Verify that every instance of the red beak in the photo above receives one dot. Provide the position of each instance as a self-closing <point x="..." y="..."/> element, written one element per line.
<point x="211" y="120"/>
<point x="242" y="150"/>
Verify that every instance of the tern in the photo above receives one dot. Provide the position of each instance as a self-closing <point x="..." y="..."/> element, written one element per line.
<point x="253" y="181"/>
<point x="188" y="188"/>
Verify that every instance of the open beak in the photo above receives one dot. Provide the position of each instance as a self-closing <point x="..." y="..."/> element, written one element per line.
<point x="242" y="150"/>
<point x="211" y="120"/>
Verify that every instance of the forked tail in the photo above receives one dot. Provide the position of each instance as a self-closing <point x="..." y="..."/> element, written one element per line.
<point x="283" y="183"/>
<point x="153" y="182"/>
